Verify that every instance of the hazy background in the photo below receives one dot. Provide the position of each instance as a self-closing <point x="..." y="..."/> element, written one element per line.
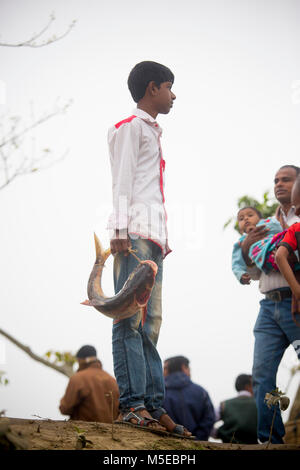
<point x="236" y="120"/>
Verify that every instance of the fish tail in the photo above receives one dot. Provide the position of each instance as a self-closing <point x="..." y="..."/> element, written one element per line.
<point x="101" y="255"/>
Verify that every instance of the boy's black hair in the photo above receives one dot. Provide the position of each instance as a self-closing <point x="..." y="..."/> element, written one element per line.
<point x="241" y="382"/>
<point x="144" y="73"/>
<point x="174" y="364"/>
<point x="253" y="208"/>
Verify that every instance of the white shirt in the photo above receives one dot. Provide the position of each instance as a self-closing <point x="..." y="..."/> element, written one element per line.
<point x="138" y="179"/>
<point x="274" y="280"/>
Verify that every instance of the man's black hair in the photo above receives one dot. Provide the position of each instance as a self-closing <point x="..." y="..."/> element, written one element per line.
<point x="175" y="363"/>
<point x="86" y="351"/>
<point x="144" y="73"/>
<point x="253" y="208"/>
<point x="242" y="381"/>
<point x="296" y="168"/>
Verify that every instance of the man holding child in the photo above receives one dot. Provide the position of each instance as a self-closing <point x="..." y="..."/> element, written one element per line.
<point x="274" y="329"/>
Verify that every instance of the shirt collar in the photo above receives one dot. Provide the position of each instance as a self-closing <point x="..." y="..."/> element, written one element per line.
<point x="244" y="393"/>
<point x="291" y="217"/>
<point x="148" y="118"/>
<point x="290" y="212"/>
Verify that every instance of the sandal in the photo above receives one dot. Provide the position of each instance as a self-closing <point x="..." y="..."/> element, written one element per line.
<point x="142" y="422"/>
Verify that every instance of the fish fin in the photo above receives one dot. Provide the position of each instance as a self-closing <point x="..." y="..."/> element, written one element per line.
<point x="93" y="303"/>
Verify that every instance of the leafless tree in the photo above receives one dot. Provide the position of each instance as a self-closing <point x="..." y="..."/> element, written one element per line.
<point x="14" y="159"/>
<point x="31" y="42"/>
<point x="15" y="162"/>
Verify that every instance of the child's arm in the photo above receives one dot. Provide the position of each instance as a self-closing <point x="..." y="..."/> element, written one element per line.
<point x="286" y="270"/>
<point x="239" y="267"/>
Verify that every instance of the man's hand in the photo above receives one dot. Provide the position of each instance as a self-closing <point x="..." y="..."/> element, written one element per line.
<point x="119" y="244"/>
<point x="258" y="233"/>
<point x="245" y="279"/>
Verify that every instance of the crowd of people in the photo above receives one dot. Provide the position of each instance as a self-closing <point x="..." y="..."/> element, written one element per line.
<point x="92" y="395"/>
<point x="166" y="399"/>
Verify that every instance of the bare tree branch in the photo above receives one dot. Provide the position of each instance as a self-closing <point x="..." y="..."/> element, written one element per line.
<point x="65" y="369"/>
<point x="31" y="42"/>
<point x="12" y="167"/>
<point x="12" y="164"/>
<point x="12" y="137"/>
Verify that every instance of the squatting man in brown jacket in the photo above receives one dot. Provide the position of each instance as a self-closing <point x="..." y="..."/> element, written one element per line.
<point x="90" y="391"/>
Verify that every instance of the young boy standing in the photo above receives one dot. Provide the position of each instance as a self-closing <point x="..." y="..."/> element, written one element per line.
<point x="139" y="222"/>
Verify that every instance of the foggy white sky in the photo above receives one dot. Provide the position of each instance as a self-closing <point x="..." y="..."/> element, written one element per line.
<point x="236" y="120"/>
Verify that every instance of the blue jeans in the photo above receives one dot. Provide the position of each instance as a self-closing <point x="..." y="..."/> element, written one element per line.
<point x="274" y="331"/>
<point x="137" y="364"/>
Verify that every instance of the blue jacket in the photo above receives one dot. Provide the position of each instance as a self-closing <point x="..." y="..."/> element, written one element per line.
<point x="189" y="404"/>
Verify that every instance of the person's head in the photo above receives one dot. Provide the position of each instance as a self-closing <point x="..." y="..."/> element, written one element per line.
<point x="247" y="218"/>
<point x="86" y="354"/>
<point x="177" y="364"/>
<point x="165" y="367"/>
<point x="151" y="83"/>
<point x="295" y="197"/>
<point x="283" y="183"/>
<point x="244" y="382"/>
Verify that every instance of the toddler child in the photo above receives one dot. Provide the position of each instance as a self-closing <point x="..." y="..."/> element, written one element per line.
<point x="262" y="252"/>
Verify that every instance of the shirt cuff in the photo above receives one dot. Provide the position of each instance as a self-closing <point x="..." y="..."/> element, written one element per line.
<point x="287" y="246"/>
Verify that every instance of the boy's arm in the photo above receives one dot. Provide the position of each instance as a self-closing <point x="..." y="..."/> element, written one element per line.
<point x="281" y="258"/>
<point x="125" y="149"/>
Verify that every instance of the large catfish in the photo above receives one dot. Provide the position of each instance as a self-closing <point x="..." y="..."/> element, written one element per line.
<point x="133" y="296"/>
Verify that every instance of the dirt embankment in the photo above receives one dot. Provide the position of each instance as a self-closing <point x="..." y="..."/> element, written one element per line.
<point x="40" y="434"/>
